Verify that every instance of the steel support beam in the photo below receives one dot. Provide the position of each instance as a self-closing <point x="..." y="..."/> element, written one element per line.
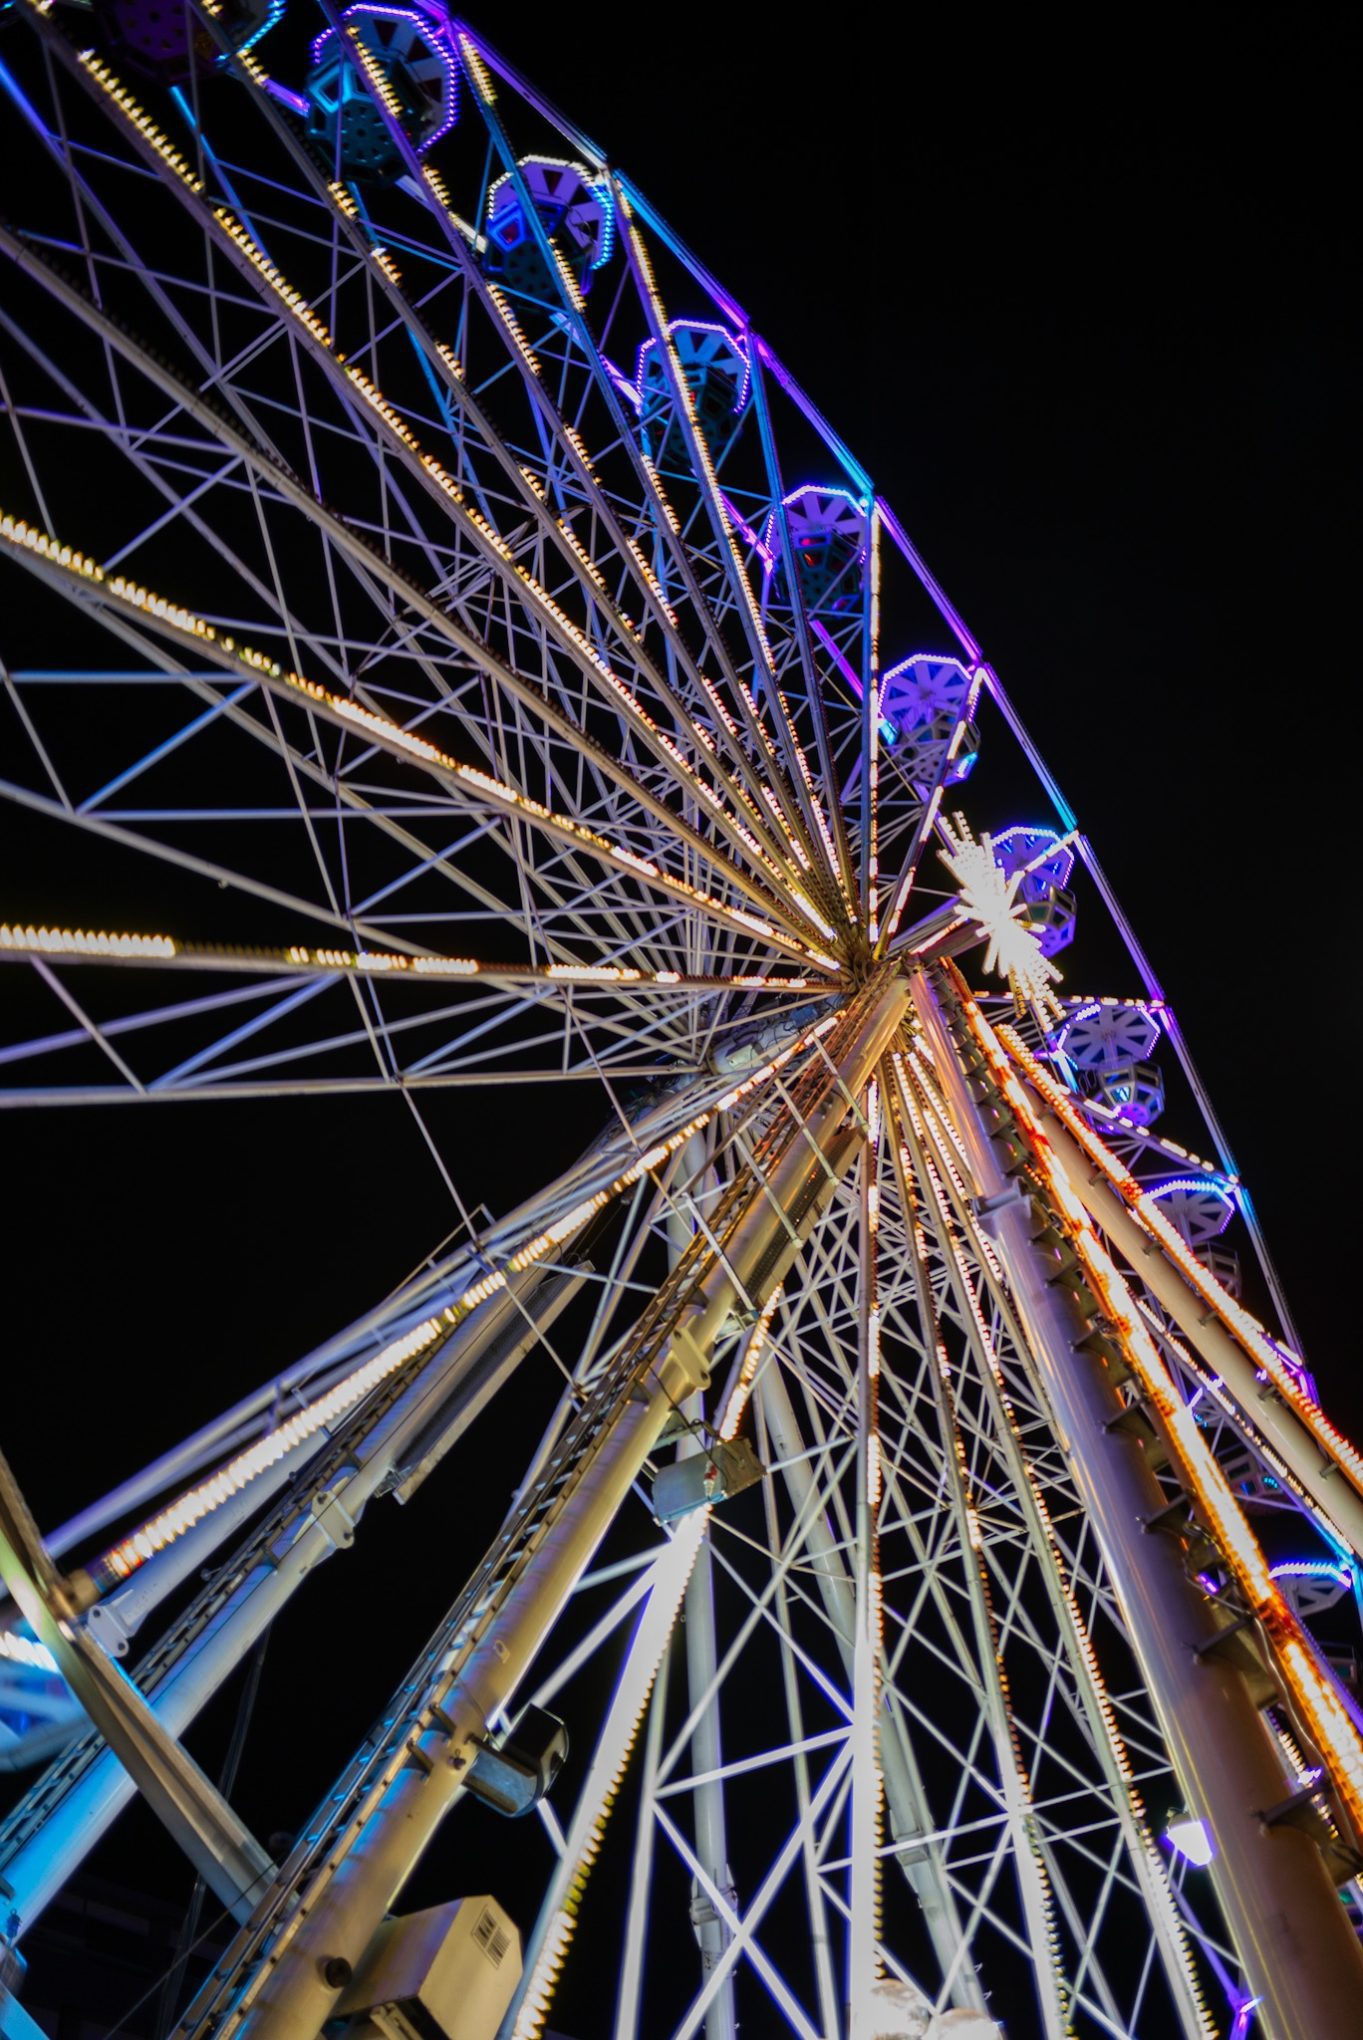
<point x="911" y="1824"/>
<point x="226" y="1855"/>
<point x="1329" y="1488"/>
<point x="702" y="1658"/>
<point x="1147" y="1872"/>
<point x="1293" y="1937"/>
<point x="286" y="1994"/>
<point x="76" y="1816"/>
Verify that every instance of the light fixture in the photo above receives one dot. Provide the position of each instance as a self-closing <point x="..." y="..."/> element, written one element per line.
<point x="1192" y="1838"/>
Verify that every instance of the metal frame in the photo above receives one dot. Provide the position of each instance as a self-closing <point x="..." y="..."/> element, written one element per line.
<point x="490" y="752"/>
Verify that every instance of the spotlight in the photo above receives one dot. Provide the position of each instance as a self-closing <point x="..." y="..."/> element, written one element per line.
<point x="1192" y="1838"/>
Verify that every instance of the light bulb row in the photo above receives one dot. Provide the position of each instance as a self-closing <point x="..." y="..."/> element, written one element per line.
<point x="1276" y="1361"/>
<point x="137" y="117"/>
<point x="645" y="271"/>
<point x="392" y="736"/>
<point x="603" y="1785"/>
<point x="81" y="945"/>
<point x="297" y="305"/>
<point x="80" y="942"/>
<point x="1083" y="1643"/>
<point x="294" y="302"/>
<point x="22" y="1650"/>
<point x="575" y="440"/>
<point x="742" y="1388"/>
<point x="1331" y="1726"/>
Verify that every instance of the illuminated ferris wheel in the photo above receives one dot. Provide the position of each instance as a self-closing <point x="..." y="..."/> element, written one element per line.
<point x="455" y="655"/>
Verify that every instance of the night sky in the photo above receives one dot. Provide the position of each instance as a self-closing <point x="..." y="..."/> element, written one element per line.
<point x="1076" y="293"/>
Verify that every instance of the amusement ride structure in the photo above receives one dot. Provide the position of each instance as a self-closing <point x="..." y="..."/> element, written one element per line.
<point x="927" y="1599"/>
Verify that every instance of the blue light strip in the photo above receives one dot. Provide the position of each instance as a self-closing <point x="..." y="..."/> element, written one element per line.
<point x="275" y="14"/>
<point x="229" y="189"/>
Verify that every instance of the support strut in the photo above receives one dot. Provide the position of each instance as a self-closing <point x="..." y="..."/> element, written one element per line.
<point x="281" y="1979"/>
<point x="1298" y="1951"/>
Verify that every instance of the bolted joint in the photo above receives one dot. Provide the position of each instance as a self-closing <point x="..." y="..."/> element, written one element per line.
<point x="1013" y="1196"/>
<point x="704" y="1912"/>
<point x="334" y="1520"/>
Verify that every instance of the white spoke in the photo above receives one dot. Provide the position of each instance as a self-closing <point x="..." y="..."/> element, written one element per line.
<point x="449" y="658"/>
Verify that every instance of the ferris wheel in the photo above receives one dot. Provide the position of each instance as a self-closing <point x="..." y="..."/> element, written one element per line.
<point x="447" y="652"/>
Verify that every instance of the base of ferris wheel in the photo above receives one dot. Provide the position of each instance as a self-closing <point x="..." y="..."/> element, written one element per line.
<point x="322" y="1942"/>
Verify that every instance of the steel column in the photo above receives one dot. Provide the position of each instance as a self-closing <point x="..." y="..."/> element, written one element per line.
<point x="1145" y="1867"/>
<point x="1329" y="1488"/>
<point x="329" y="1927"/>
<point x="80" y="1814"/>
<point x="1298" y="1950"/>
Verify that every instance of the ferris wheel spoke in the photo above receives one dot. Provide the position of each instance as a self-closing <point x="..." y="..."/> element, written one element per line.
<point x="604" y="1036"/>
<point x="817" y="1288"/>
<point x="566" y="435"/>
<point x="544" y="718"/>
<point x="1014" y="1613"/>
<point x="796" y="772"/>
<point x="661" y="515"/>
<point x="588" y="358"/>
<point x="222" y="875"/>
<point x="142" y="952"/>
<point x="1172" y="1949"/>
<point x="854" y="885"/>
<point x="470" y="788"/>
<point x="528" y="694"/>
<point x="583" y="564"/>
<point x="924" y="1867"/>
<point x="346" y="800"/>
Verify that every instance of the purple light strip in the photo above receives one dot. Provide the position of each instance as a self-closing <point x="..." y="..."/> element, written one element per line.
<point x="836" y="446"/>
<point x="433" y="28"/>
<point x="947" y="609"/>
<point x="295" y="101"/>
<point x="851" y="676"/>
<point x="637" y="203"/>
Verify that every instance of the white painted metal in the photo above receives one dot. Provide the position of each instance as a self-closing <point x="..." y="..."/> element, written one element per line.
<point x="585" y="784"/>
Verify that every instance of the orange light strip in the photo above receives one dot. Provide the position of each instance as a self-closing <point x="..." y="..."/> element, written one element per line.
<point x="1245" y="1329"/>
<point x="1150" y="1856"/>
<point x="1314" y="1690"/>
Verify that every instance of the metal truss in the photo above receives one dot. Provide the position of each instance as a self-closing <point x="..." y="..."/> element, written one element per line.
<point x="425" y="670"/>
